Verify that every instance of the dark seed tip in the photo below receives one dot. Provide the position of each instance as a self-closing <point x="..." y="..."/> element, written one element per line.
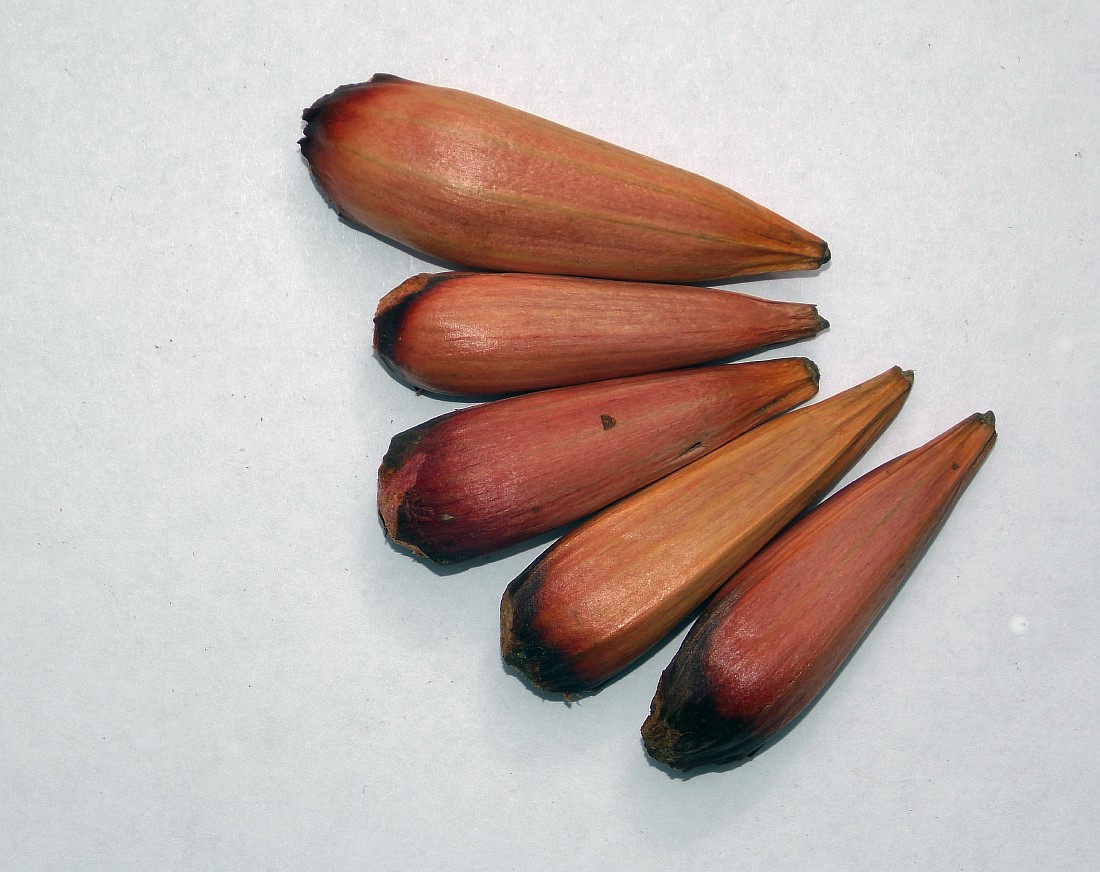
<point x="545" y="668"/>
<point x="315" y="114"/>
<point x="383" y="78"/>
<point x="813" y="371"/>
<point x="410" y="533"/>
<point x="522" y="645"/>
<point x="660" y="741"/>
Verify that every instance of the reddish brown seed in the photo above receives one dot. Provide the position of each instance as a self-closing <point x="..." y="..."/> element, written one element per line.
<point x="502" y="333"/>
<point x="618" y="584"/>
<point x="778" y="631"/>
<point x="478" y="183"/>
<point x="492" y="475"/>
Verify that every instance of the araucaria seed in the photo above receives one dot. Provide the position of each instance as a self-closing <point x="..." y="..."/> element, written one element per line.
<point x="619" y="583"/>
<point x="492" y="475"/>
<point x="481" y="184"/>
<point x="770" y="640"/>
<point x="502" y="333"/>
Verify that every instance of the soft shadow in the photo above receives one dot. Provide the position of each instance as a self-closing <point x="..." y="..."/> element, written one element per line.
<point x="543" y="540"/>
<point x="416" y="253"/>
<point x="438" y="395"/>
<point x="753" y="353"/>
<point x="766" y="277"/>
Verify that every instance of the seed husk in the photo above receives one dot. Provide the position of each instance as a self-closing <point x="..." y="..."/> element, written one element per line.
<point x="503" y="333"/>
<point x="480" y="479"/>
<point x="775" y="634"/>
<point x="474" y="182"/>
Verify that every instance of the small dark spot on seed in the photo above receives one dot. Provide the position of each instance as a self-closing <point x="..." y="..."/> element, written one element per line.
<point x="607" y="421"/>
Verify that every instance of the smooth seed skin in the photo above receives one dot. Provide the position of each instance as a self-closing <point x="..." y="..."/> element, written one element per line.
<point x="486" y="477"/>
<point x="776" y="633"/>
<point x="478" y="183"/>
<point x="483" y="334"/>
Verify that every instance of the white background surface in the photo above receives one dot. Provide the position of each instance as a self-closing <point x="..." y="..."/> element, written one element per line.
<point x="210" y="657"/>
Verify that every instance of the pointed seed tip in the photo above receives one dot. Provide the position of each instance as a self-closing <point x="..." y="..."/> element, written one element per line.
<point x="826" y="255"/>
<point x="822" y="324"/>
<point x="989" y="419"/>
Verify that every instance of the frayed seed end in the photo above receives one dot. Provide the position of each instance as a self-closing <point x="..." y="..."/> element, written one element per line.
<point x="403" y="519"/>
<point x="521" y="645"/>
<point x="695" y="735"/>
<point x="813" y="371"/>
<point x="391" y="311"/>
<point x="661" y="741"/>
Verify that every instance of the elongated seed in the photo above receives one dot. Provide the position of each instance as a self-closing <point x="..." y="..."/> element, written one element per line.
<point x="478" y="183"/>
<point x="486" y="477"/>
<point x="779" y="629"/>
<point x="501" y="333"/>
